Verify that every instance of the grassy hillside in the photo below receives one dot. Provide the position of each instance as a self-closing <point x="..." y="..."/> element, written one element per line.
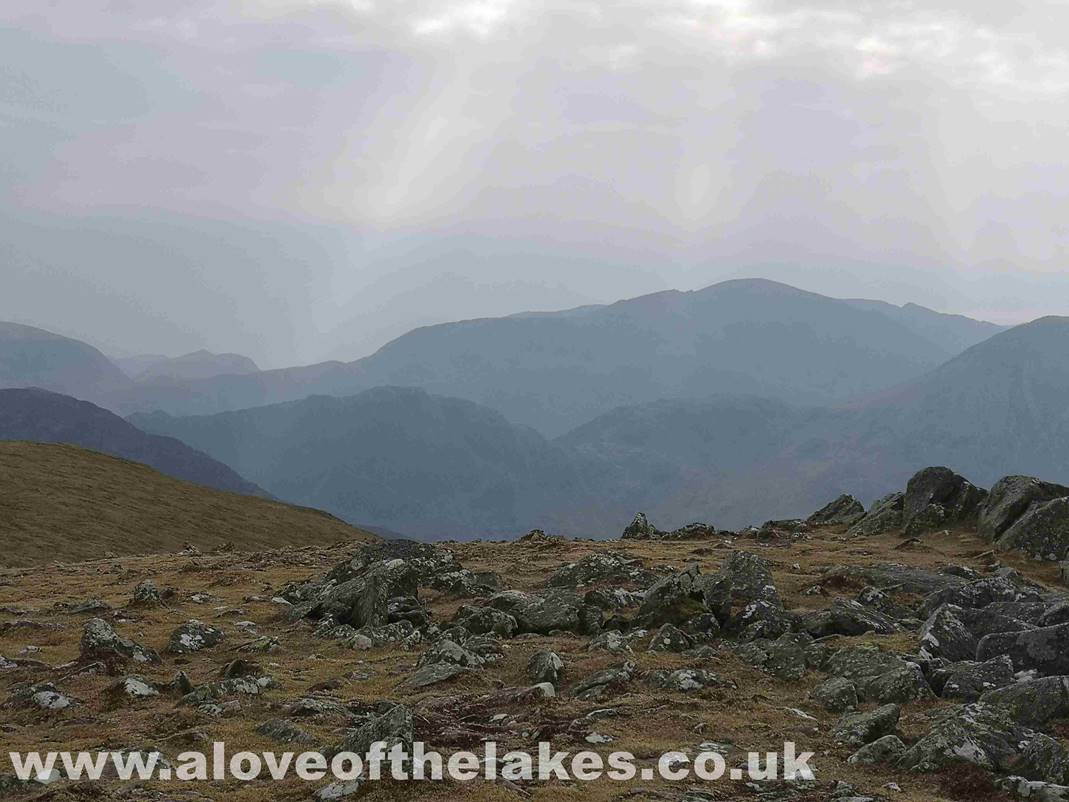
<point x="60" y="502"/>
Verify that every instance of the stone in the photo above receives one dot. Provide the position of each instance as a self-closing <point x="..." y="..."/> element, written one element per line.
<point x="603" y="566"/>
<point x="485" y="621"/>
<point x="886" y="750"/>
<point x="674" y="599"/>
<point x="194" y="636"/>
<point x="858" y="729"/>
<point x="957" y="500"/>
<point x="1010" y="498"/>
<point x="1034" y="790"/>
<point x="670" y="639"/>
<point x="885" y="515"/>
<point x="641" y="529"/>
<point x="847" y="618"/>
<point x="969" y="680"/>
<point x="1032" y="702"/>
<point x="100" y="641"/>
<point x="433" y="674"/>
<point x="545" y="666"/>
<point x="284" y="731"/>
<point x="604" y="683"/>
<point x="391" y="728"/>
<point x="1044" y="649"/>
<point x="1042" y="532"/>
<point x="843" y="511"/>
<point x="686" y="679"/>
<point x="987" y="736"/>
<point x="550" y="611"/>
<point x="146" y="594"/>
<point x="945" y="635"/>
<point x="134" y="688"/>
<point x="836" y="695"/>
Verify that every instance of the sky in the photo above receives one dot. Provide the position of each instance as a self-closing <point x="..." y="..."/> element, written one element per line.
<point x="300" y="180"/>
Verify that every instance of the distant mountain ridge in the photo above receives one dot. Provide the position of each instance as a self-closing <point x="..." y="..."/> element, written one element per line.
<point x="436" y="467"/>
<point x="42" y="416"/>
<point x="188" y="367"/>
<point x="556" y="370"/>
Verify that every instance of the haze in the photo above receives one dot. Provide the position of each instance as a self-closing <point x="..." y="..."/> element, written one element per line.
<point x="299" y="180"/>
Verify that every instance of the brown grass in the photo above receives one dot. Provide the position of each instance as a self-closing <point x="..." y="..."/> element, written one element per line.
<point x="60" y="502"/>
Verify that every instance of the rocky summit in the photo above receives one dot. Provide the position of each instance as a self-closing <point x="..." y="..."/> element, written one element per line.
<point x="915" y="662"/>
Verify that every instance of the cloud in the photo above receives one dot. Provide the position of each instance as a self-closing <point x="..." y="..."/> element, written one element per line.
<point x="706" y="137"/>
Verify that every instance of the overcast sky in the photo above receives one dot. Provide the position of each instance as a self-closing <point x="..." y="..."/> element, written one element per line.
<point x="304" y="179"/>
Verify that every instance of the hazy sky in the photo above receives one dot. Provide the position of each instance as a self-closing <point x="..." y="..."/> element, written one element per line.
<point x="303" y="179"/>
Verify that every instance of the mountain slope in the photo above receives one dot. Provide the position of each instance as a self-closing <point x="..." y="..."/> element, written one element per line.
<point x="554" y="371"/>
<point x="42" y="416"/>
<point x="31" y="357"/>
<point x="60" y="502"/>
<point x="396" y="458"/>
<point x="997" y="409"/>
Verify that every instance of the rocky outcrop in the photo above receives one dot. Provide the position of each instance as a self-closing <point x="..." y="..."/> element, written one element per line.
<point x="938" y="497"/>
<point x="1010" y="498"/>
<point x="1042" y="532"/>
<point x="843" y="511"/>
<point x="987" y="736"/>
<point x="885" y="515"/>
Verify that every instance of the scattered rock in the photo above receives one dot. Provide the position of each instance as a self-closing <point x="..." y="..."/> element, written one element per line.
<point x="545" y="666"/>
<point x="1045" y="649"/>
<point x="100" y="641"/>
<point x="1010" y="498"/>
<point x="836" y="695"/>
<point x="193" y="636"/>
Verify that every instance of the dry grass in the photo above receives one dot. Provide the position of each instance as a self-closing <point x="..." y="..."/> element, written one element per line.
<point x="754" y="716"/>
<point x="60" y="502"/>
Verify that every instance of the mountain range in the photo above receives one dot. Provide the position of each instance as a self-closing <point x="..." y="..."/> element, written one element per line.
<point x="435" y="466"/>
<point x="556" y="370"/>
<point x="745" y="399"/>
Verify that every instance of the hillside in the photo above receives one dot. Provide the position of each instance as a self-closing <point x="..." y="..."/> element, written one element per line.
<point x="31" y="357"/>
<point x="60" y="502"/>
<point x="46" y="417"/>
<point x="397" y="458"/>
<point x="554" y="371"/>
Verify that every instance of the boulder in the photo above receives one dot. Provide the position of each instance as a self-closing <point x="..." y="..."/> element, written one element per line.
<point x="847" y="618"/>
<point x="485" y="621"/>
<point x="987" y="736"/>
<point x="1045" y="649"/>
<point x="641" y="529"/>
<point x="945" y="635"/>
<point x="391" y="728"/>
<point x="550" y="611"/>
<point x="1042" y="532"/>
<point x="887" y="750"/>
<point x="937" y="496"/>
<point x="858" y="729"/>
<point x="836" y="695"/>
<point x="885" y="515"/>
<point x="843" y="511"/>
<point x="969" y="680"/>
<point x="675" y="599"/>
<point x="1010" y="498"/>
<point x="685" y="680"/>
<point x="670" y="639"/>
<point x="603" y="684"/>
<point x="100" y="641"/>
<point x="603" y="566"/>
<point x="545" y="666"/>
<point x="1033" y="702"/>
<point x="193" y="636"/>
